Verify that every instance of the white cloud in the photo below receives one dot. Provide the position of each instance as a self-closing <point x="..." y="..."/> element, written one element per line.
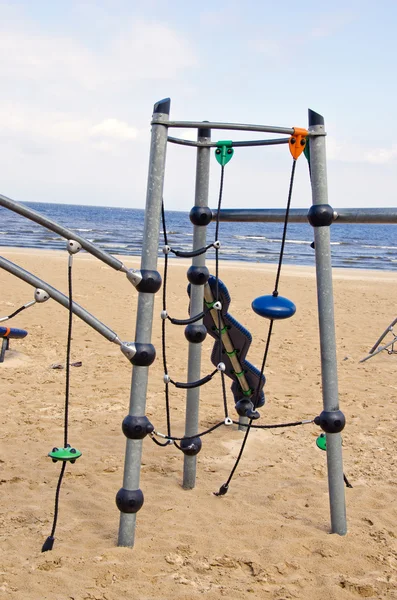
<point x="115" y="129"/>
<point x="344" y="151"/>
<point x="39" y="132"/>
<point x="143" y="51"/>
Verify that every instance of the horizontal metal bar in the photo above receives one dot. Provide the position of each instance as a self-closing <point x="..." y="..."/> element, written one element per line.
<point x="56" y="295"/>
<point x="33" y="215"/>
<point x="272" y="142"/>
<point x="227" y="126"/>
<point x="299" y="215"/>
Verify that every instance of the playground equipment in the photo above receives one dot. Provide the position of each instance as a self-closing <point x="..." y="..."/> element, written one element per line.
<point x="147" y="281"/>
<point x="6" y="333"/>
<point x="320" y="215"/>
<point x="389" y="346"/>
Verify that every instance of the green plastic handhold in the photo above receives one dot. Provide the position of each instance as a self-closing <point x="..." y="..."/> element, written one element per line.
<point x="224" y="152"/>
<point x="321" y="441"/>
<point x="65" y="454"/>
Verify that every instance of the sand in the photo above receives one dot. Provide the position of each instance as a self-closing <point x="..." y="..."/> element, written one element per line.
<point x="269" y="537"/>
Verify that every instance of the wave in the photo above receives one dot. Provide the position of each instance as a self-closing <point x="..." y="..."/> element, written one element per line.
<point x="381" y="247"/>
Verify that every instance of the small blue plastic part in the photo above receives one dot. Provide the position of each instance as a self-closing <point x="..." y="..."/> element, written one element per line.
<point x="273" y="307"/>
<point x="11" y="332"/>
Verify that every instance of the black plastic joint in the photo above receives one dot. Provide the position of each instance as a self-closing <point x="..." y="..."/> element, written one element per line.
<point x="245" y="408"/>
<point x="129" y="501"/>
<point x="144" y="356"/>
<point x="162" y="106"/>
<point x="195" y="333"/>
<point x="200" y="215"/>
<point x="198" y="275"/>
<point x="320" y="215"/>
<point x="332" y="421"/>
<point x="136" y="428"/>
<point x="150" y="283"/>
<point x="191" y="446"/>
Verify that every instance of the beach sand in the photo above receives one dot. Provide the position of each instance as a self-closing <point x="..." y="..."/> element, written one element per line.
<point x="269" y="537"/>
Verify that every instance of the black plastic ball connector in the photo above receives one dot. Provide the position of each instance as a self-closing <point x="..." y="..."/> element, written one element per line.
<point x="144" y="356"/>
<point x="195" y="333"/>
<point x="200" y="215"/>
<point x="198" y="275"/>
<point x="191" y="446"/>
<point x="136" y="428"/>
<point x="150" y="283"/>
<point x="332" y="421"/>
<point x="245" y="408"/>
<point x="129" y="501"/>
<point x="320" y="215"/>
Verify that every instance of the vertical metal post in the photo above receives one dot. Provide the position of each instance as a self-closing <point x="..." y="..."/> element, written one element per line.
<point x="196" y="306"/>
<point x="144" y="318"/>
<point x="242" y="423"/>
<point x="318" y="169"/>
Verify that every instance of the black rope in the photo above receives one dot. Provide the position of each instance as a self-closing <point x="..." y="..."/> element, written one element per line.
<point x="194" y="384"/>
<point x="224" y="488"/>
<point x="190" y="320"/>
<point x="191" y="437"/>
<point x="193" y="253"/>
<point x="15" y="312"/>
<point x="217" y="286"/>
<point x="347" y="483"/>
<point x="280" y="261"/>
<point x="68" y="349"/>
<point x="163" y="342"/>
<point x="277" y="425"/>
<point x="167" y="443"/>
<point x="48" y="544"/>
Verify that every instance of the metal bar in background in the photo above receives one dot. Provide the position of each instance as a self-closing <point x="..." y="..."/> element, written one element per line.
<point x="196" y="304"/>
<point x="329" y="374"/>
<point x="299" y="215"/>
<point x="228" y="126"/>
<point x="56" y="295"/>
<point x="239" y="144"/>
<point x="144" y="316"/>
<point x="68" y="234"/>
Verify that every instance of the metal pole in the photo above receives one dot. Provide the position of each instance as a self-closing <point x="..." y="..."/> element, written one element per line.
<point x="230" y="126"/>
<point x="299" y="215"/>
<point x="325" y="300"/>
<point x="68" y="234"/>
<point x="56" y="295"/>
<point x="144" y="318"/>
<point x="196" y="306"/>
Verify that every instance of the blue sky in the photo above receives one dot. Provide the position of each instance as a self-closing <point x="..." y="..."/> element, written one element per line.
<point x="78" y="82"/>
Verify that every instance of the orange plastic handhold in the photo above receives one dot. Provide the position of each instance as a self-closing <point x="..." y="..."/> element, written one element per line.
<point x="297" y="142"/>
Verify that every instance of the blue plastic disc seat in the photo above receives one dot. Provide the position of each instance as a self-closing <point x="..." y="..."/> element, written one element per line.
<point x="273" y="307"/>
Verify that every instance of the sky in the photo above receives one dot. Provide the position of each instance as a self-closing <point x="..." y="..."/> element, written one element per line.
<point x="79" y="79"/>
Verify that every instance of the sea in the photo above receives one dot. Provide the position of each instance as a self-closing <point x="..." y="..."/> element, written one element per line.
<point x="120" y="231"/>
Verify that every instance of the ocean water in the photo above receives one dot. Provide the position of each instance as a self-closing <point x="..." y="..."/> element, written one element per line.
<point x="120" y="231"/>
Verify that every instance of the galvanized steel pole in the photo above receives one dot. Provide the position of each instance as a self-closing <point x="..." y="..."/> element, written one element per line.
<point x="325" y="300"/>
<point x="144" y="317"/>
<point x="196" y="305"/>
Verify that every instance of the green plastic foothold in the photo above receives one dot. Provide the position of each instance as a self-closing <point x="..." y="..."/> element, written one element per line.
<point x="65" y="454"/>
<point x="321" y="441"/>
<point x="224" y="152"/>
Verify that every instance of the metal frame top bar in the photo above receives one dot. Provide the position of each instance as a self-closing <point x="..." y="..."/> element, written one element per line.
<point x="272" y="142"/>
<point x="229" y="126"/>
<point x="299" y="215"/>
<point x="33" y="215"/>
